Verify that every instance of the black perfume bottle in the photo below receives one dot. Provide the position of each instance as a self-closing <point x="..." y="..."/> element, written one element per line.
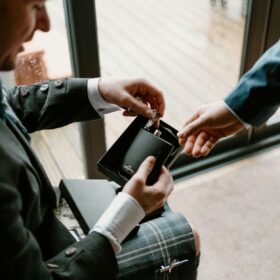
<point x="146" y="143"/>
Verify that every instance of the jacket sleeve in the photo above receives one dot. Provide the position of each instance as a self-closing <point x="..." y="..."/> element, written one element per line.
<point x="20" y="256"/>
<point x="257" y="95"/>
<point x="52" y="104"/>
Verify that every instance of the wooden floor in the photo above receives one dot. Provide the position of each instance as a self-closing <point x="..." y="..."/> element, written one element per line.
<point x="190" y="49"/>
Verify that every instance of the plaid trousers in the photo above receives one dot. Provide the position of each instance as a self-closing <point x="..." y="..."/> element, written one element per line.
<point x="163" y="248"/>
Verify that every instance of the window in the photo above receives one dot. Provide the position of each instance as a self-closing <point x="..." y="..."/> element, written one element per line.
<point x="47" y="57"/>
<point x="190" y="49"/>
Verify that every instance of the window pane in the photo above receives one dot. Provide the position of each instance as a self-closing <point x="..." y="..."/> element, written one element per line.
<point x="47" y="57"/>
<point x="190" y="49"/>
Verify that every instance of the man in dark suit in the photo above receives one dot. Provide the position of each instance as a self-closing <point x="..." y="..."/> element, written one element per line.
<point x="253" y="101"/>
<point x="33" y="243"/>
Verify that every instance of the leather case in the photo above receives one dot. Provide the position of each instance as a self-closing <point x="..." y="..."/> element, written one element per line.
<point x="123" y="158"/>
<point x="145" y="144"/>
<point x="88" y="199"/>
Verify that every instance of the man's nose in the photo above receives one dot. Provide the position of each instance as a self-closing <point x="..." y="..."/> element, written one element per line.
<point x="43" y="21"/>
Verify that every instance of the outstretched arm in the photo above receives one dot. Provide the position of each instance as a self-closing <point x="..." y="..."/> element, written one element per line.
<point x="56" y="103"/>
<point x="253" y="101"/>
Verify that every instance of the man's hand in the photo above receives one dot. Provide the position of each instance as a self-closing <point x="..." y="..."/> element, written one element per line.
<point x="206" y="127"/>
<point x="136" y="96"/>
<point x="149" y="197"/>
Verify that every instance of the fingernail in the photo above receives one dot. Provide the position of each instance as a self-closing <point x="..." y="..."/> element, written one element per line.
<point x="152" y="158"/>
<point x="149" y="113"/>
<point x="180" y="133"/>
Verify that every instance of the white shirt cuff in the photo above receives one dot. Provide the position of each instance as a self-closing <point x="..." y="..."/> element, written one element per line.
<point x="95" y="99"/>
<point x="246" y="125"/>
<point x="119" y="219"/>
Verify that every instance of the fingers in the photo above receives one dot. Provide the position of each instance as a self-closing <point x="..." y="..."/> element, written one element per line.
<point x="214" y="115"/>
<point x="200" y="145"/>
<point x="135" y="106"/>
<point x="203" y="144"/>
<point x="158" y="193"/>
<point x="153" y="95"/>
<point x="208" y="146"/>
<point x="148" y="94"/>
<point x="200" y="141"/>
<point x="192" y="127"/>
<point x="136" y="185"/>
<point x="189" y="143"/>
<point x="145" y="168"/>
<point x="165" y="180"/>
<point x="127" y="92"/>
<point x="191" y="119"/>
<point x="149" y="197"/>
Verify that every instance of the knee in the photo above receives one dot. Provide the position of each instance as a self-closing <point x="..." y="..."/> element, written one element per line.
<point x="196" y="240"/>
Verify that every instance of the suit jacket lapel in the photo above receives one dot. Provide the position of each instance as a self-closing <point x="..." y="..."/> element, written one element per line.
<point x="43" y="178"/>
<point x="45" y="182"/>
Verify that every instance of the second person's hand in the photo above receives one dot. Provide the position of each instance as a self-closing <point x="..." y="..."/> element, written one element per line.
<point x="206" y="127"/>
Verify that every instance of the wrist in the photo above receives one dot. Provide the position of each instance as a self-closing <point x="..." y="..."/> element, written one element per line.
<point x="100" y="90"/>
<point x="119" y="219"/>
<point x="97" y="99"/>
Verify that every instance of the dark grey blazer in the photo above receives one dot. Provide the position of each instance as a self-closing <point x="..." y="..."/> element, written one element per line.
<point x="33" y="243"/>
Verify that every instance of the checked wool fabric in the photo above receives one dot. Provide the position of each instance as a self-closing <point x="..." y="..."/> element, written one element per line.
<point x="157" y="243"/>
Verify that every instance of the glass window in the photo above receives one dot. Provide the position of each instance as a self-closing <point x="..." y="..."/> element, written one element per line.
<point x="190" y="49"/>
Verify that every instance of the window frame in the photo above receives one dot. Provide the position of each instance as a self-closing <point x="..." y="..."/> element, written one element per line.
<point x="260" y="33"/>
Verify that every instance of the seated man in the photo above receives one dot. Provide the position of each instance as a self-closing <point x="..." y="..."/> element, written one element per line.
<point x="34" y="244"/>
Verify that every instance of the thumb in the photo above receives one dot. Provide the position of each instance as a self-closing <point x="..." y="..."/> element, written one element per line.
<point x="136" y="105"/>
<point x="146" y="167"/>
<point x="192" y="128"/>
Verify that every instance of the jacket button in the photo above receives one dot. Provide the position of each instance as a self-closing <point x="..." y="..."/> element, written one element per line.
<point x="24" y="92"/>
<point x="44" y="88"/>
<point x="70" y="251"/>
<point x="58" y="84"/>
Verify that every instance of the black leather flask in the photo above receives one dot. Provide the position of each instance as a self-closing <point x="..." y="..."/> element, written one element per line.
<point x="146" y="144"/>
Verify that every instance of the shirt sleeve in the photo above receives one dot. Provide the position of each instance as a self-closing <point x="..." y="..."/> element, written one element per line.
<point x="95" y="99"/>
<point x="119" y="219"/>
<point x="246" y="125"/>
